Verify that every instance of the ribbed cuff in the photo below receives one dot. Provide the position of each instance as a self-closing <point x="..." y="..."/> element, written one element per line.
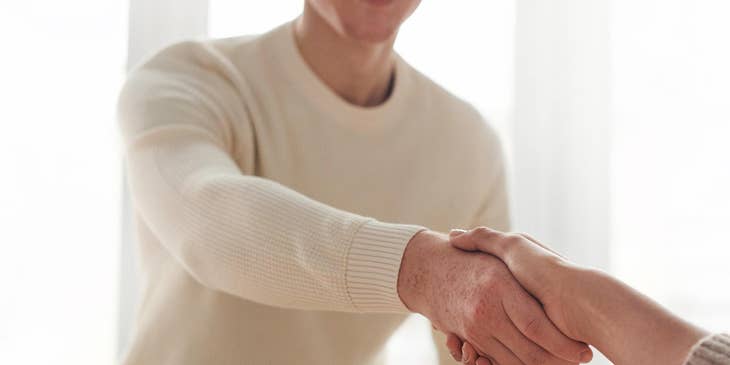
<point x="713" y="350"/>
<point x="373" y="264"/>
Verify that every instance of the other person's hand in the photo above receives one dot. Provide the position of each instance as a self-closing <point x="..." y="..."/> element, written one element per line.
<point x="585" y="304"/>
<point x="536" y="267"/>
<point x="476" y="298"/>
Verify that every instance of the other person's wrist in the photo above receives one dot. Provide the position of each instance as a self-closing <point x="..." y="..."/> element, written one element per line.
<point x="590" y="291"/>
<point x="628" y="326"/>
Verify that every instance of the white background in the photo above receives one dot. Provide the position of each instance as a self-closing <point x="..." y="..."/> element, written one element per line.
<point x="61" y="63"/>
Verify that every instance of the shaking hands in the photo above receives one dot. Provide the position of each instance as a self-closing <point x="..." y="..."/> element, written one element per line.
<point x="478" y="301"/>
<point x="541" y="271"/>
<point x="583" y="304"/>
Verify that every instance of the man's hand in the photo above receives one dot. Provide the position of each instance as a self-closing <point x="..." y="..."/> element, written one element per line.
<point x="475" y="297"/>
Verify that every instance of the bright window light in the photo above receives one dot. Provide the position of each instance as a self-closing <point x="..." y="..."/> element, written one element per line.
<point x="61" y="64"/>
<point x="671" y="154"/>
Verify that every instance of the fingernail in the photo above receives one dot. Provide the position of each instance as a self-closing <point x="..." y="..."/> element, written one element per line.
<point x="456" y="232"/>
<point x="464" y="357"/>
<point x="586" y="356"/>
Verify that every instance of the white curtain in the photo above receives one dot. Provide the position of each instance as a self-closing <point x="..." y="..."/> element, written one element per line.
<point x="61" y="63"/>
<point x="152" y="25"/>
<point x="562" y="126"/>
<point x="671" y="156"/>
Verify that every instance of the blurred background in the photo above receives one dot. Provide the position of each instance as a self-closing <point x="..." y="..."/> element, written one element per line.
<point x="614" y="113"/>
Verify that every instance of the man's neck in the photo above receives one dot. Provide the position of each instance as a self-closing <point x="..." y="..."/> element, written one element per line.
<point x="359" y="72"/>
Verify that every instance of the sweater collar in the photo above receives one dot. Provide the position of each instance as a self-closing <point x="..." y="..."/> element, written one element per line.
<point x="366" y="119"/>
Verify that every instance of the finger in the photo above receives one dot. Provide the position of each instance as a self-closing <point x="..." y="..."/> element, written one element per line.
<point x="529" y="318"/>
<point x="468" y="354"/>
<point x="460" y="238"/>
<point x="544" y="246"/>
<point x="480" y="357"/>
<point x="484" y="361"/>
<point x="497" y="353"/>
<point x="453" y="344"/>
<point x="479" y="239"/>
<point x="469" y="348"/>
<point x="527" y="351"/>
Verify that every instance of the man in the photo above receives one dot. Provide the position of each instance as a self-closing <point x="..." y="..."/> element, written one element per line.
<point x="255" y="166"/>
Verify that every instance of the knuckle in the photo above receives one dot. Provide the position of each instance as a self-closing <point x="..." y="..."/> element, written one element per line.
<point x="533" y="328"/>
<point x="472" y="329"/>
<point x="467" y="328"/>
<point x="488" y="293"/>
<point x="483" y="231"/>
<point x="481" y="322"/>
<point x="513" y="239"/>
<point x="495" y="274"/>
<point x="484" y="318"/>
<point x="509" y="241"/>
<point x="521" y="235"/>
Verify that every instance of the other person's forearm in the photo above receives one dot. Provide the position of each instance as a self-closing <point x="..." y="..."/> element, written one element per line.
<point x="588" y="305"/>
<point x="628" y="327"/>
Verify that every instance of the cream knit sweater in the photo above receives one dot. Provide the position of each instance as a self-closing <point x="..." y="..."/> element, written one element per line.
<point x="262" y="202"/>
<point x="713" y="350"/>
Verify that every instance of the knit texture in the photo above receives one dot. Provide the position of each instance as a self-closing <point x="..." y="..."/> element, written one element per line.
<point x="713" y="350"/>
<point x="272" y="215"/>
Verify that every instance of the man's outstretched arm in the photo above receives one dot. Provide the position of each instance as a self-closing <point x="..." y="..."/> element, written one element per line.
<point x="194" y="186"/>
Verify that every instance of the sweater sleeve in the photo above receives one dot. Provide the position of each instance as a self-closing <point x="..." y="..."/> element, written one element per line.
<point x="238" y="233"/>
<point x="713" y="350"/>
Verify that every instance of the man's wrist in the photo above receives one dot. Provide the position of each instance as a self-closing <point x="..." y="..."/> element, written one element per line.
<point x="414" y="278"/>
<point x="372" y="265"/>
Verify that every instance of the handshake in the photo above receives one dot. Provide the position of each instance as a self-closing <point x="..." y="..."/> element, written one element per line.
<point x="503" y="306"/>
<point x="506" y="299"/>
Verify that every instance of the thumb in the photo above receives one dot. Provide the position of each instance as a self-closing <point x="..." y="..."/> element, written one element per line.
<point x="459" y="239"/>
<point x="456" y="233"/>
